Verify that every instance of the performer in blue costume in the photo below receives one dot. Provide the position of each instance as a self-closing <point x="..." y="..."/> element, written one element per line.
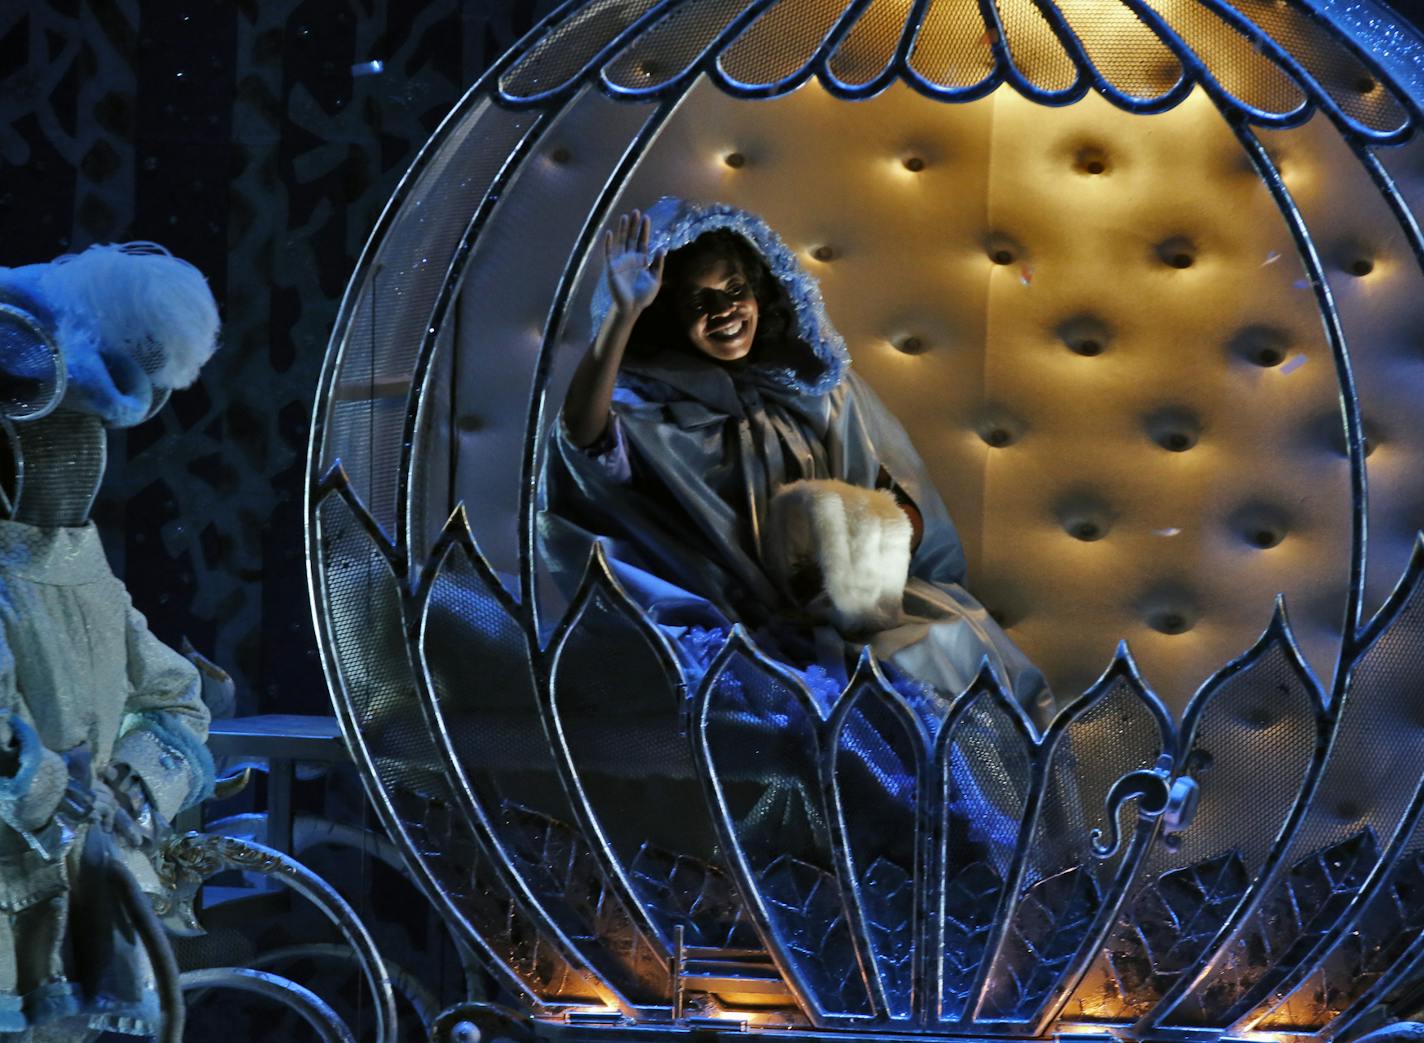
<point x="716" y="440"/>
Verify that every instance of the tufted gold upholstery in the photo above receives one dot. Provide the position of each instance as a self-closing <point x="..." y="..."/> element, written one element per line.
<point x="1094" y="325"/>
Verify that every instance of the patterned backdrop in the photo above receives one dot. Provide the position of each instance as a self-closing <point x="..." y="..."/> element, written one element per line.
<point x="246" y="137"/>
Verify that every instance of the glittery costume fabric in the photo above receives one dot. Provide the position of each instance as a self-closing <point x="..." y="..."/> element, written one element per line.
<point x="78" y="664"/>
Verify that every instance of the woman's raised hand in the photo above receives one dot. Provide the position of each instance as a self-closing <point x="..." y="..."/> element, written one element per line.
<point x="634" y="278"/>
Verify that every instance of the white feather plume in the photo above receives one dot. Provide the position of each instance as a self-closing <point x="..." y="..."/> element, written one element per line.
<point x="138" y="299"/>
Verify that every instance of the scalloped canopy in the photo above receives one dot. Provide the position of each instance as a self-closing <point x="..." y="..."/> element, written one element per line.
<point x="1259" y="59"/>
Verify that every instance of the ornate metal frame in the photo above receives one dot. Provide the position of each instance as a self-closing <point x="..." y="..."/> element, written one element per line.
<point x="1291" y="919"/>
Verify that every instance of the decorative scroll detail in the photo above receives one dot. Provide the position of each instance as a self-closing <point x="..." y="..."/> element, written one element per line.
<point x="1065" y="893"/>
<point x="1248" y="740"/>
<point x="188" y="860"/>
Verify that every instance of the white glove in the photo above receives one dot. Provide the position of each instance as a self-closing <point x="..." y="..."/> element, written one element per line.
<point x="840" y="552"/>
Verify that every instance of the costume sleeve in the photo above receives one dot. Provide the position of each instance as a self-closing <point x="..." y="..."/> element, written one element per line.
<point x="32" y="778"/>
<point x="867" y="441"/>
<point x="609" y="454"/>
<point x="165" y="725"/>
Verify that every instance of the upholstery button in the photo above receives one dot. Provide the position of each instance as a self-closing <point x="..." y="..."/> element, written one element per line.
<point x="1361" y="266"/>
<point x="914" y="164"/>
<point x="1170" y="608"/>
<point x="1366" y="84"/>
<point x="559" y="155"/>
<point x="735" y="160"/>
<point x="1261" y="345"/>
<point x="1090" y="160"/>
<point x="823" y="253"/>
<point x="998" y="437"/>
<point x="1262" y="525"/>
<point x="1177" y="252"/>
<point x="998" y="427"/>
<point x="911" y="345"/>
<point x="1084" y="515"/>
<point x="1084" y="335"/>
<point x="1174" y="428"/>
<point x="1199" y="761"/>
<point x="1001" y="248"/>
<point x="1168" y="622"/>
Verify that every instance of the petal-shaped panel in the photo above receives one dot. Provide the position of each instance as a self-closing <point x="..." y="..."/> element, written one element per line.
<point x="1063" y="891"/>
<point x="758" y="746"/>
<point x="1361" y="808"/>
<point x="1237" y="64"/>
<point x="1035" y="50"/>
<point x="782" y="42"/>
<point x="953" y="50"/>
<point x="492" y="739"/>
<point x="877" y="778"/>
<point x="1251" y="737"/>
<point x="984" y="770"/>
<point x="622" y="709"/>
<point x="671" y="47"/>
<point x="382" y="718"/>
<point x="1390" y="914"/>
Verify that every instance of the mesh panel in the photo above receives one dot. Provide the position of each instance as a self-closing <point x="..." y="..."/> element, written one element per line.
<point x="497" y="740"/>
<point x="984" y="777"/>
<point x="1231" y="58"/>
<point x="1344" y="77"/>
<point x="877" y="784"/>
<point x="672" y="45"/>
<point x="623" y="719"/>
<point x="764" y="755"/>
<point x="30" y="375"/>
<point x="1128" y="55"/>
<point x="780" y="42"/>
<point x="1391" y="923"/>
<point x="365" y="435"/>
<point x="1372" y="773"/>
<point x="1033" y="48"/>
<point x="63" y="456"/>
<point x="1254" y="741"/>
<point x="363" y="606"/>
<point x="1064" y="883"/>
<point x="870" y="44"/>
<point x="390" y="310"/>
<point x="952" y="49"/>
<point x="560" y="53"/>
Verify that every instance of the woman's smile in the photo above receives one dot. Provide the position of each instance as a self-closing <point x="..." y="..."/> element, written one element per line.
<point x="719" y="311"/>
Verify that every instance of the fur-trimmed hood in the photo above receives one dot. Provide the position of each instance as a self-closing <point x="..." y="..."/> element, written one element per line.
<point x="677" y="222"/>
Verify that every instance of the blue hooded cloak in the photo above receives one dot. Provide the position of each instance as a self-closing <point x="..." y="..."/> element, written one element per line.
<point x="678" y="491"/>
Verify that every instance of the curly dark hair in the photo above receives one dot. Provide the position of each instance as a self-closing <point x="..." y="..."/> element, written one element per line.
<point x="658" y="329"/>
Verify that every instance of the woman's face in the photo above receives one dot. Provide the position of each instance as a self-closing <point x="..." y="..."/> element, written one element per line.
<point x="717" y="309"/>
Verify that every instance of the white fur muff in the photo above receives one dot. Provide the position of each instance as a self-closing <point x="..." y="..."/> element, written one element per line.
<point x="856" y="540"/>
